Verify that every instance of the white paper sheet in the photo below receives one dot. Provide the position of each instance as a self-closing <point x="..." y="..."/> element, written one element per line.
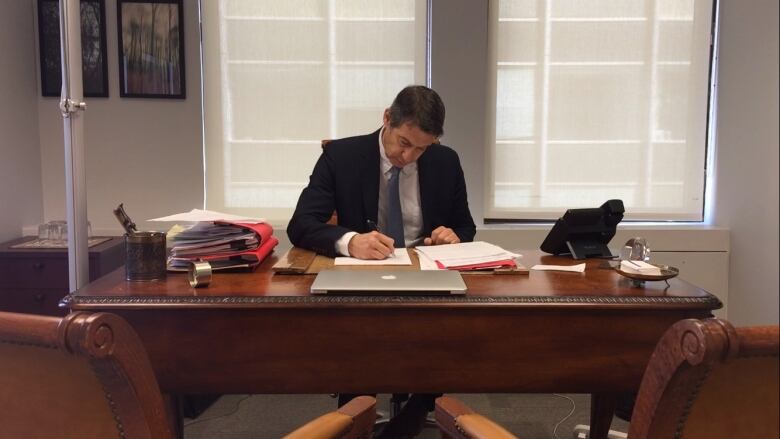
<point x="579" y="268"/>
<point x="640" y="267"/>
<point x="400" y="257"/>
<point x="207" y="215"/>
<point x="427" y="263"/>
<point x="466" y="253"/>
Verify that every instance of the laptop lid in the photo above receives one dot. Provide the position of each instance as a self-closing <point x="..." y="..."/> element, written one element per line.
<point x="388" y="282"/>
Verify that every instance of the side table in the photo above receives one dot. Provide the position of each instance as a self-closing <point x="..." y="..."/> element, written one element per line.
<point x="33" y="280"/>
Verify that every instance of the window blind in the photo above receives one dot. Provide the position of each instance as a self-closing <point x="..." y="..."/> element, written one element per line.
<point x="597" y="99"/>
<point x="280" y="76"/>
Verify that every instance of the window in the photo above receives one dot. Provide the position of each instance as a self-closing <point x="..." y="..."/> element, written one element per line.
<point x="597" y="100"/>
<point x="280" y="76"/>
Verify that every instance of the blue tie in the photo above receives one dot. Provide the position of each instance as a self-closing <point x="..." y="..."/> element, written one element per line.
<point x="395" y="220"/>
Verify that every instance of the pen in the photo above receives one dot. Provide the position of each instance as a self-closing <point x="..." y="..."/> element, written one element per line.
<point x="374" y="227"/>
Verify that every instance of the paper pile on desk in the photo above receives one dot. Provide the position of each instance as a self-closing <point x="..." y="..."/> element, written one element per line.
<point x="224" y="244"/>
<point x="640" y="267"/>
<point x="207" y="215"/>
<point x="477" y="255"/>
<point x="579" y="268"/>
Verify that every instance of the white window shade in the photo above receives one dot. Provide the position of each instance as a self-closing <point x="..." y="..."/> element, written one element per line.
<point x="280" y="76"/>
<point x="595" y="100"/>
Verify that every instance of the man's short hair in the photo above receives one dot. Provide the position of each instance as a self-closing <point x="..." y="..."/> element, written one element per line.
<point x="421" y="106"/>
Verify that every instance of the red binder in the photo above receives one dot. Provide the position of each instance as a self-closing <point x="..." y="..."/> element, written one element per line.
<point x="242" y="258"/>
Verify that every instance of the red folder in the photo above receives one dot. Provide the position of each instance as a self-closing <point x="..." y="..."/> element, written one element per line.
<point x="506" y="263"/>
<point x="252" y="257"/>
<point x="246" y="258"/>
<point x="263" y="230"/>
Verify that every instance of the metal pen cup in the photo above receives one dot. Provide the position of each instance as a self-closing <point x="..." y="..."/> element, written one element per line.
<point x="146" y="256"/>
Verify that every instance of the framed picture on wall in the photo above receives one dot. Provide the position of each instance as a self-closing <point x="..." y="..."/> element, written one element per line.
<point x="151" y="48"/>
<point x="94" y="65"/>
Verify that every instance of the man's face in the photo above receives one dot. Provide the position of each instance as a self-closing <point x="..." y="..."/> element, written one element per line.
<point x="406" y="143"/>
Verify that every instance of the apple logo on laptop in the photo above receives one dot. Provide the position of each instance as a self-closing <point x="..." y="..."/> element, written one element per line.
<point x="388" y="277"/>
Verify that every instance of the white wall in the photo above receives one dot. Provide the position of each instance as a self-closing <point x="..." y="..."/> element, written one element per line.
<point x="747" y="156"/>
<point x="459" y="73"/>
<point x="145" y="153"/>
<point x="20" y="157"/>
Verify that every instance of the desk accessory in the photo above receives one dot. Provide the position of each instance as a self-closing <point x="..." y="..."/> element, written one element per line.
<point x="295" y="261"/>
<point x="145" y="251"/>
<point x="638" y="279"/>
<point x="635" y="249"/>
<point x="585" y="233"/>
<point x="199" y="274"/>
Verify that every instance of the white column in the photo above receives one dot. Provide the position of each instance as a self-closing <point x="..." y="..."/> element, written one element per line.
<point x="72" y="107"/>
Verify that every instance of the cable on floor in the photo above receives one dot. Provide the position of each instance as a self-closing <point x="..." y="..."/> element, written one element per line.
<point x="571" y="412"/>
<point x="232" y="412"/>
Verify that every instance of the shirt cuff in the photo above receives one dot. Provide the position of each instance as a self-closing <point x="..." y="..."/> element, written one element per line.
<point x="342" y="245"/>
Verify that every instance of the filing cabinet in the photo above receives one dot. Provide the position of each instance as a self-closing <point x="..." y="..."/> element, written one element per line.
<point x="33" y="280"/>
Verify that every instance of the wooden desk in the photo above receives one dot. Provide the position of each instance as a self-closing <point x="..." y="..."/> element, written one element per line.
<point x="257" y="332"/>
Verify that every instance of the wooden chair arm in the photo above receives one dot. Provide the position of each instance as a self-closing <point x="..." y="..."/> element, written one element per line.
<point x="458" y="421"/>
<point x="353" y="420"/>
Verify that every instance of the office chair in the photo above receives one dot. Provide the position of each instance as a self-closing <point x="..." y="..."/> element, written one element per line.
<point x="354" y="419"/>
<point x="705" y="379"/>
<point x="83" y="375"/>
<point x="87" y="376"/>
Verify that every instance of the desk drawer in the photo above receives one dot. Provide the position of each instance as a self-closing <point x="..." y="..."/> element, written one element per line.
<point x="34" y="272"/>
<point x="32" y="301"/>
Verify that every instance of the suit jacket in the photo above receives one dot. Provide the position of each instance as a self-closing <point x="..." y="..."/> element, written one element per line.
<point x="346" y="179"/>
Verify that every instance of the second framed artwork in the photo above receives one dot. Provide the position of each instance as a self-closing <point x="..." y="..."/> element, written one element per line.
<point x="151" y="48"/>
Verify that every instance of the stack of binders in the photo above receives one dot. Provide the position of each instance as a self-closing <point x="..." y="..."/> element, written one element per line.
<point x="224" y="244"/>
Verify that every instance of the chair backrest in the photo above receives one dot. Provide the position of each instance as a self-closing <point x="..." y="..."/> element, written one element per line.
<point x="707" y="379"/>
<point x="81" y="376"/>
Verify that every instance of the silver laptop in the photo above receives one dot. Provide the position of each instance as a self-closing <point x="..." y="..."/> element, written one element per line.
<point x="388" y="282"/>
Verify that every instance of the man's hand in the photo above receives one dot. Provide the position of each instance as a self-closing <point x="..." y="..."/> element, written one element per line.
<point x="442" y="235"/>
<point x="372" y="245"/>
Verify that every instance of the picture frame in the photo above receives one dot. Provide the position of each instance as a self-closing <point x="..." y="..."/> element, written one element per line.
<point x="94" y="59"/>
<point x="151" y="49"/>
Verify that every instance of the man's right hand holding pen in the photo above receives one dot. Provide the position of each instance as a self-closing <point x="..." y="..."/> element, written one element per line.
<point x="371" y="245"/>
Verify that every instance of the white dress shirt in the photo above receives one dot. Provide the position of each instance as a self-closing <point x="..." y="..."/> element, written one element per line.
<point x="409" y="189"/>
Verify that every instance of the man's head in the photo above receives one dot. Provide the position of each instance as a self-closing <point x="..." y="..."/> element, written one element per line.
<point x="412" y="123"/>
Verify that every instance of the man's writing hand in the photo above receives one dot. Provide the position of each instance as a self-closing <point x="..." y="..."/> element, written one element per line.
<point x="372" y="245"/>
<point x="442" y="235"/>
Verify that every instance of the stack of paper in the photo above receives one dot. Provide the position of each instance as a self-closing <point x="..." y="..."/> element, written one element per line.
<point x="223" y="244"/>
<point x="477" y="255"/>
<point x="224" y="240"/>
<point x="640" y="267"/>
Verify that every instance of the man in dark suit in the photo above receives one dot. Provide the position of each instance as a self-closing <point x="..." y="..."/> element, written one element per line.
<point x="398" y="180"/>
<point x="353" y="175"/>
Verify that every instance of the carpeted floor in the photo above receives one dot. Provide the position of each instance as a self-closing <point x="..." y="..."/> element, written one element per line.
<point x="530" y="416"/>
